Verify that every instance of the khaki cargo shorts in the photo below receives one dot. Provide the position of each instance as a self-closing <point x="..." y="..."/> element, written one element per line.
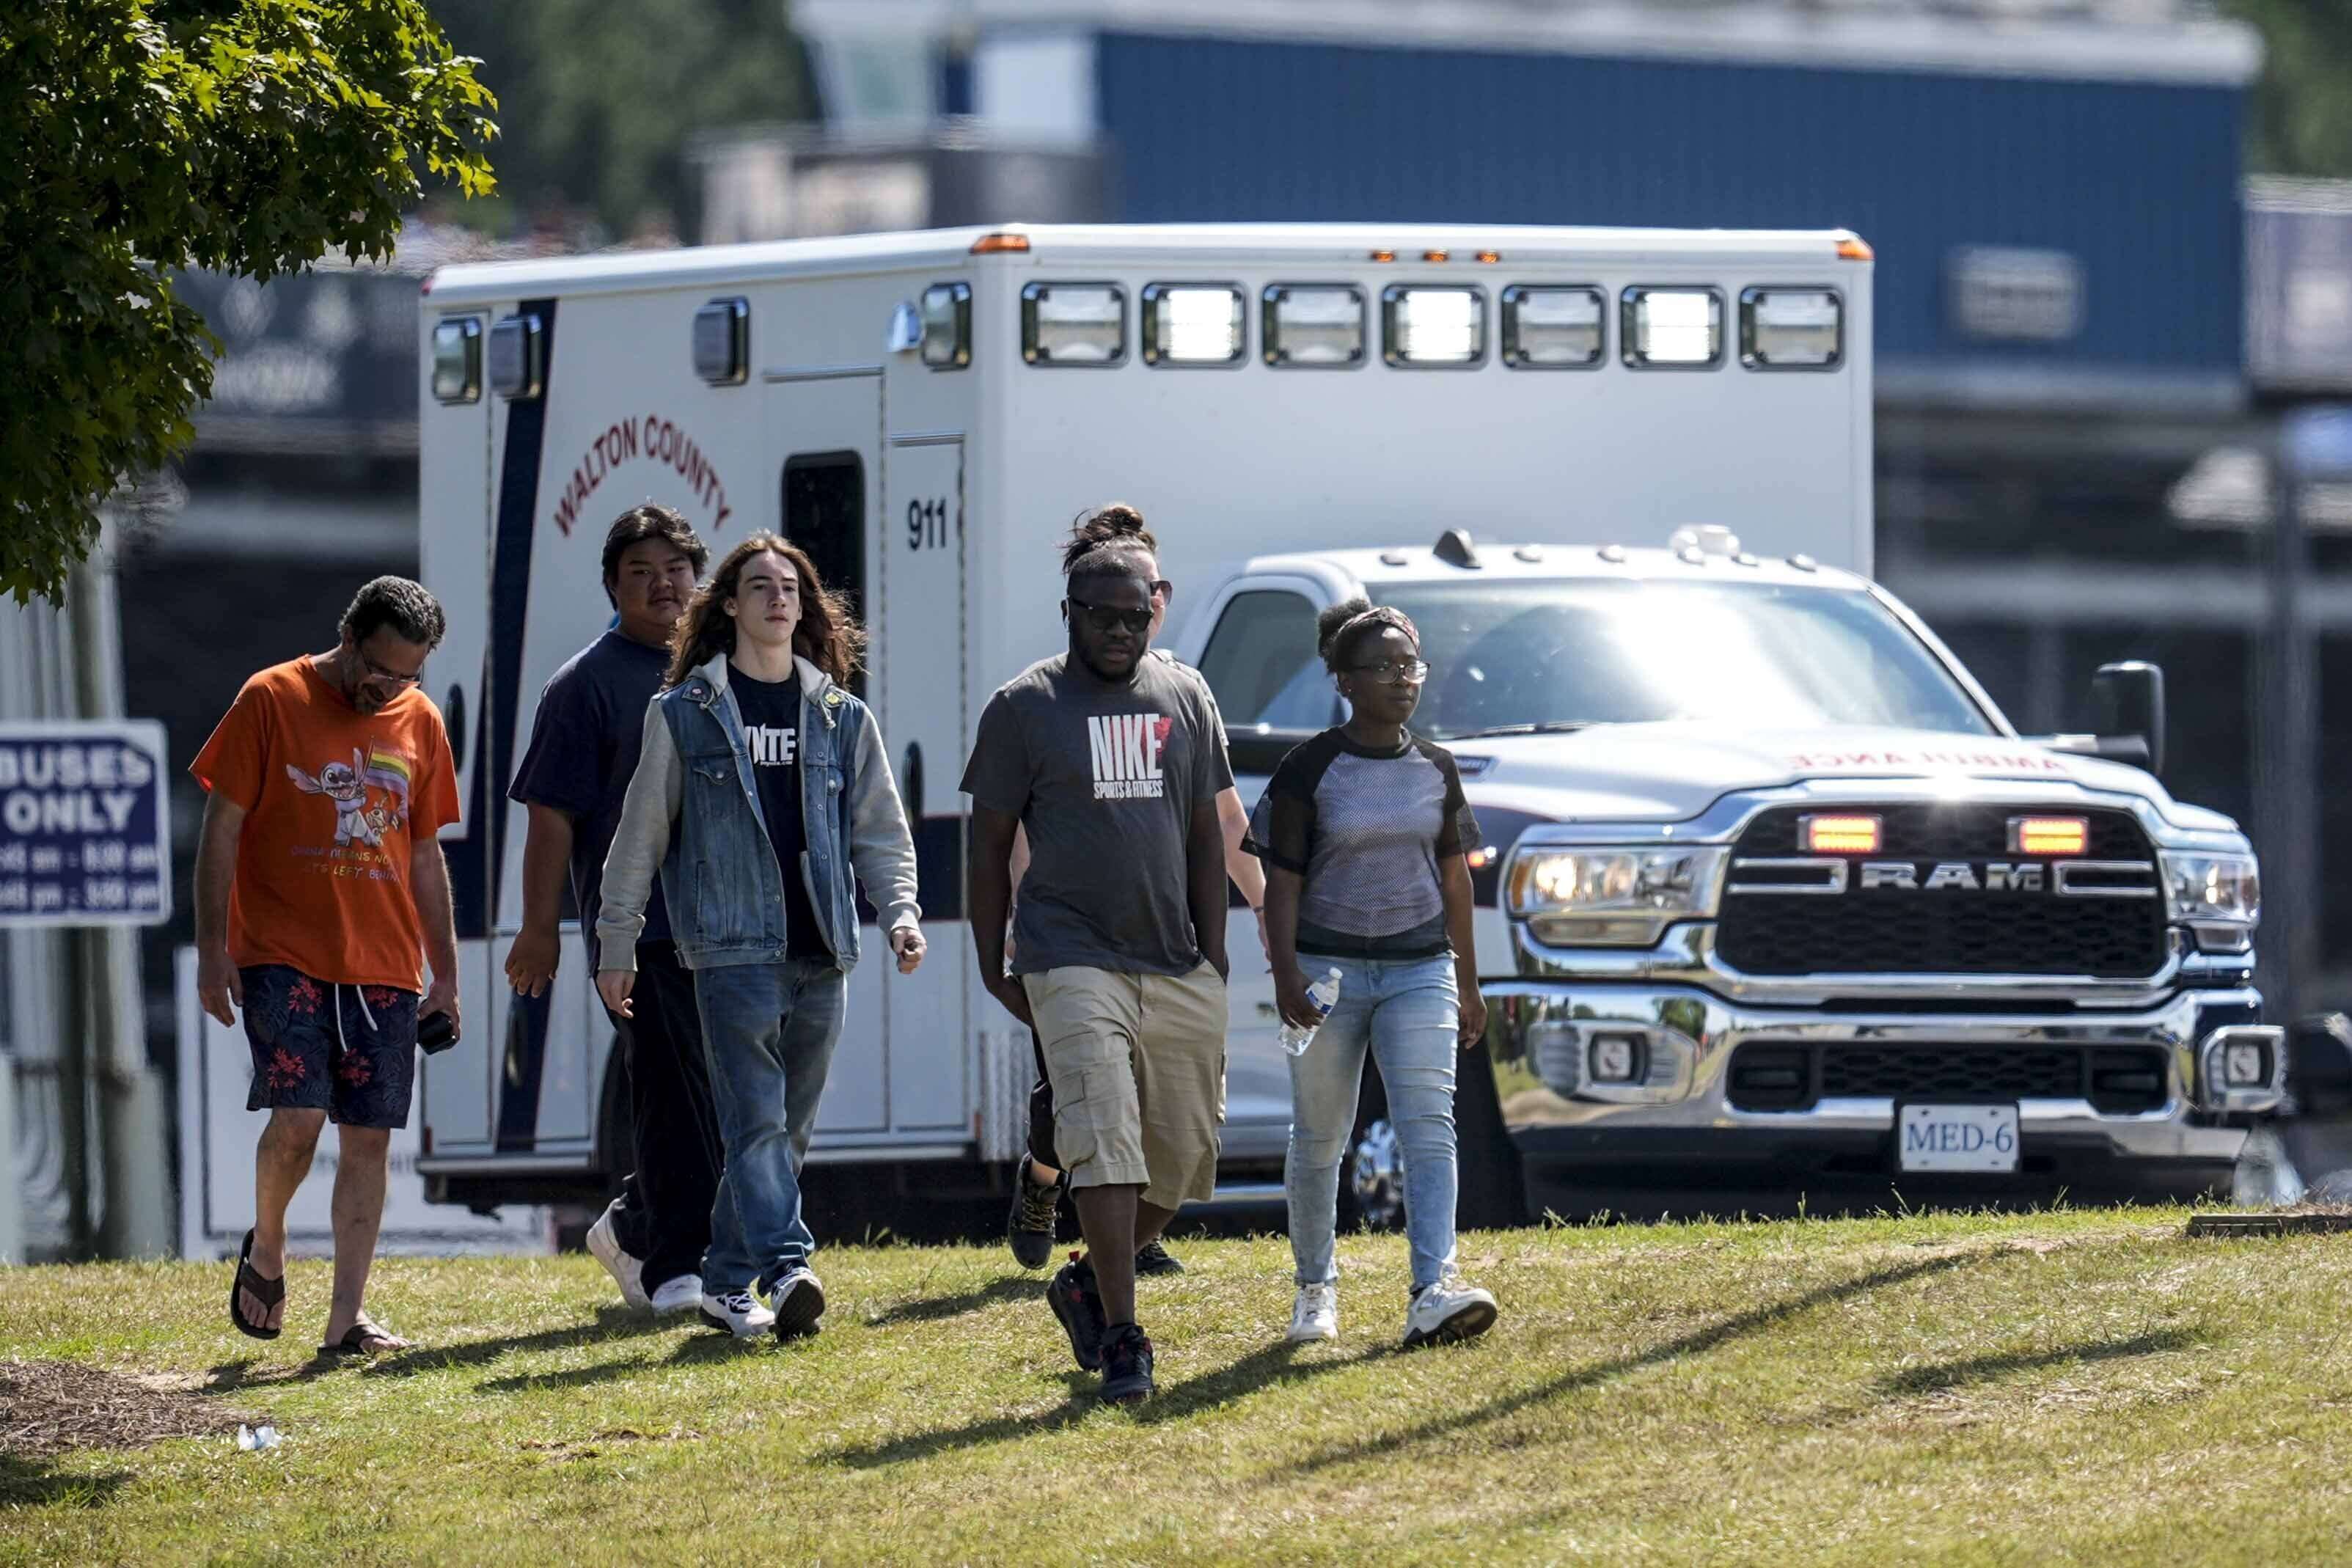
<point x="1137" y="1066"/>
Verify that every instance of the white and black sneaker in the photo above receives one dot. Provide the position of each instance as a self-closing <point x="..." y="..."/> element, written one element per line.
<point x="678" y="1295"/>
<point x="798" y="1299"/>
<point x="628" y="1272"/>
<point x="1448" y="1312"/>
<point x="737" y="1312"/>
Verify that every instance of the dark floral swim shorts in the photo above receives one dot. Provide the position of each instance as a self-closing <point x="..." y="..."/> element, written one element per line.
<point x="347" y="1050"/>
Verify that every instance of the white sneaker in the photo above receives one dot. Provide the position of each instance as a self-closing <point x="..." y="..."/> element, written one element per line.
<point x="738" y="1312"/>
<point x="628" y="1272"/>
<point x="678" y="1295"/>
<point x="799" y="1302"/>
<point x="1315" y="1315"/>
<point x="1451" y="1309"/>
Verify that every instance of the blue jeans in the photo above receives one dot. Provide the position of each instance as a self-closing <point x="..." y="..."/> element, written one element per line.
<point x="769" y="1031"/>
<point x="1407" y="1011"/>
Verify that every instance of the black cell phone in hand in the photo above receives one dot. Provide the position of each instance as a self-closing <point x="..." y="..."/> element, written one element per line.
<point x="436" y="1032"/>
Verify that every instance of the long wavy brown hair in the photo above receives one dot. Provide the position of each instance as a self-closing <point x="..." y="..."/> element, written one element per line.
<point x="828" y="635"/>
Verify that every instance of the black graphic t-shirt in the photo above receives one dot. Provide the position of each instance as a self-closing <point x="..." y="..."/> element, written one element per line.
<point x="1106" y="777"/>
<point x="770" y="711"/>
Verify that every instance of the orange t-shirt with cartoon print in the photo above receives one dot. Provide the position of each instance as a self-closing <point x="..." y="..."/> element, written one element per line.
<point x="333" y="800"/>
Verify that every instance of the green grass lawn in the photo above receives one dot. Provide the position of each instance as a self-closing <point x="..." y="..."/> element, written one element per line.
<point x="2081" y="1387"/>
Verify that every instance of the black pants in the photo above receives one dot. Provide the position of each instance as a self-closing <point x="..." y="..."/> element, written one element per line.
<point x="1041" y="1110"/>
<point x="664" y="1215"/>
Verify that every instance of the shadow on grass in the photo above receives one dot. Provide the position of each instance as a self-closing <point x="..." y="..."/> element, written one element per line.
<point x="1951" y="1374"/>
<point x="700" y="1349"/>
<point x="932" y="1308"/>
<point x="1695" y="1343"/>
<point x="32" y="1483"/>
<point x="614" y="1321"/>
<point x="1269" y="1367"/>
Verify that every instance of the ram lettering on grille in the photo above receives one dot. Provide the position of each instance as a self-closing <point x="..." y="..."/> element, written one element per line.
<point x="1954" y="875"/>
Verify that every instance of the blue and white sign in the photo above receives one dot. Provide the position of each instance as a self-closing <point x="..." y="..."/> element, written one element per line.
<point x="85" y="824"/>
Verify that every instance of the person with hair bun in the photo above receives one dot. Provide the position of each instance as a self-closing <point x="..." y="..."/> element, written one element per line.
<point x="1038" y="1181"/>
<point x="1366" y="834"/>
<point x="1112" y="760"/>
<point x="761" y="785"/>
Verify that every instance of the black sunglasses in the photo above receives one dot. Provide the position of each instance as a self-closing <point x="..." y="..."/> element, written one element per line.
<point x="1102" y="617"/>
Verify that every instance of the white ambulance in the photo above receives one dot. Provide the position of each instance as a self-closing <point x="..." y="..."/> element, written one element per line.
<point x="1770" y="880"/>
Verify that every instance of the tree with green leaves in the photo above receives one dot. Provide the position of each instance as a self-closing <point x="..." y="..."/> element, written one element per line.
<point x="143" y="137"/>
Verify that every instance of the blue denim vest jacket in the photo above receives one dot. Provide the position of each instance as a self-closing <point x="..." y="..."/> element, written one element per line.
<point x="721" y="876"/>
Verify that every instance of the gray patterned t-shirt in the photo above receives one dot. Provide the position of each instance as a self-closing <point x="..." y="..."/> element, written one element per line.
<point x="1366" y="830"/>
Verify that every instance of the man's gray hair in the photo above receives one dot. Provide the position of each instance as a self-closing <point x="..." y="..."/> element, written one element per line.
<point x="414" y="615"/>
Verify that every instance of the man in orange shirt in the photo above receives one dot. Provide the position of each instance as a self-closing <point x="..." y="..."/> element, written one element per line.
<point x="320" y="887"/>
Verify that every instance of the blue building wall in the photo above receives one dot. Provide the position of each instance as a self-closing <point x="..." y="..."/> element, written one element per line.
<point x="2138" y="180"/>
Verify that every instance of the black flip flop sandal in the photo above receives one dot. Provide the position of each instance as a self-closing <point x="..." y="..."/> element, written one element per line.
<point x="268" y="1292"/>
<point x="355" y="1341"/>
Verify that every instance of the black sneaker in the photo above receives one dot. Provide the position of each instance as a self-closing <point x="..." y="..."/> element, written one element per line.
<point x="1152" y="1258"/>
<point x="1029" y="1230"/>
<point x="1071" y="1295"/>
<point x="1127" y="1365"/>
<point x="798" y="1301"/>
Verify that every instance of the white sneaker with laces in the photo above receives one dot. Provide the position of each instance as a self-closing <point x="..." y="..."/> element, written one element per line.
<point x="738" y="1312"/>
<point x="1315" y="1315"/>
<point x="1449" y="1310"/>
<point x="678" y="1295"/>
<point x="628" y="1272"/>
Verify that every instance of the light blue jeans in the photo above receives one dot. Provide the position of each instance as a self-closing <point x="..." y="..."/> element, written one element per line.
<point x="769" y="1031"/>
<point x="1408" y="1014"/>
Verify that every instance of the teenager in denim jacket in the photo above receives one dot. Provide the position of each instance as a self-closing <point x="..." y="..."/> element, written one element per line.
<point x="761" y="785"/>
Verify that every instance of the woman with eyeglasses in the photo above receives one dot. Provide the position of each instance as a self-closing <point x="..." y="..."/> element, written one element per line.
<point x="1365" y="834"/>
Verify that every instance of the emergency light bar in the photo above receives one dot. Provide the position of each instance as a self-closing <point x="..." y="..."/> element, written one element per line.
<point x="1313" y="324"/>
<point x="1672" y="328"/>
<point x="1853" y="834"/>
<point x="2049" y="834"/>
<point x="1553" y="329"/>
<point x="1073" y="323"/>
<point x="457" y="359"/>
<point x="1195" y="324"/>
<point x="1427" y="328"/>
<point x="947" y="326"/>
<point x="1791" y="329"/>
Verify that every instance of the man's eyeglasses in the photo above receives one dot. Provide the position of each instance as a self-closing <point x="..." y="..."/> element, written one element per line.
<point x="1397" y="671"/>
<point x="378" y="673"/>
<point x="1103" y="617"/>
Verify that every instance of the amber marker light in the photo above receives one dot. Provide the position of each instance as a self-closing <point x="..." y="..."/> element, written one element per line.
<point x="1851" y="249"/>
<point x="1840" y="835"/>
<point x="2049" y="834"/>
<point x="1384" y="256"/>
<point x="1437" y="256"/>
<point x="1490" y="256"/>
<point x="1480" y="858"/>
<point x="996" y="244"/>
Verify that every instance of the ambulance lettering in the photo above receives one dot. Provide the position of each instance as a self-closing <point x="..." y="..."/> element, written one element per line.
<point x="1907" y="762"/>
<point x="652" y="438"/>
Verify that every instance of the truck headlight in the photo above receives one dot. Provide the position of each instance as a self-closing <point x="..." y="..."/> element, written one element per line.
<point x="1613" y="897"/>
<point x="2217" y="897"/>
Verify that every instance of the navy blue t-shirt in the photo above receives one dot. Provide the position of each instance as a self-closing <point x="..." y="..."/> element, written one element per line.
<point x="770" y="711"/>
<point x="583" y="749"/>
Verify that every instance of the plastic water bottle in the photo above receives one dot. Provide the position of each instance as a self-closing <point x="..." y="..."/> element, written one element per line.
<point x="1325" y="994"/>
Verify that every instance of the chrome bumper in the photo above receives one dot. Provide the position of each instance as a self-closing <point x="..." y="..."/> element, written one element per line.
<point x="1540" y="1035"/>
